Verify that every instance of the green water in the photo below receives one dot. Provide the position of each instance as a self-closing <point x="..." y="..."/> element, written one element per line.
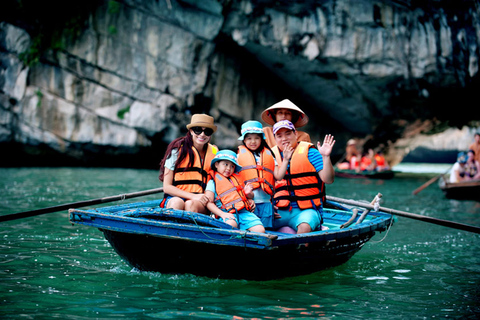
<point x="51" y="269"/>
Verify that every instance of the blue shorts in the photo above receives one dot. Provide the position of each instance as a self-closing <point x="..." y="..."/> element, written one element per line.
<point x="246" y="219"/>
<point x="293" y="218"/>
<point x="265" y="212"/>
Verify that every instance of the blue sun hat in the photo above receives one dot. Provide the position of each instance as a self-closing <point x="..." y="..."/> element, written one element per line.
<point x="462" y="157"/>
<point x="226" y="155"/>
<point x="251" y="127"/>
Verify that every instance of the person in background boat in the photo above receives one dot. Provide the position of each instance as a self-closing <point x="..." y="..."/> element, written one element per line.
<point x="355" y="162"/>
<point x="367" y="162"/>
<point x="185" y="166"/>
<point x="382" y="164"/>
<point x="351" y="156"/>
<point x="259" y="168"/>
<point x="475" y="146"/>
<point x="229" y="198"/>
<point x="284" y="110"/>
<point x="457" y="173"/>
<point x="301" y="194"/>
<point x="472" y="167"/>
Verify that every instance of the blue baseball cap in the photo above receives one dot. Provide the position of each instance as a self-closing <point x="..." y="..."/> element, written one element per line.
<point x="283" y="124"/>
<point x="462" y="157"/>
<point x="252" y="127"/>
<point x="228" y="155"/>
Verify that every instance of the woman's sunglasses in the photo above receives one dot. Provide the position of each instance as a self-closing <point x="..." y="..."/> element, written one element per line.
<point x="198" y="131"/>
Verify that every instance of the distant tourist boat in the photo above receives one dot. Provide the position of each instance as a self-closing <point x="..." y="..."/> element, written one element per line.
<point x="464" y="190"/>
<point x="366" y="174"/>
<point x="150" y="238"/>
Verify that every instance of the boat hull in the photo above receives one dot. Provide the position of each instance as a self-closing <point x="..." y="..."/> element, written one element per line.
<point x="466" y="190"/>
<point x="181" y="256"/>
<point x="150" y="238"/>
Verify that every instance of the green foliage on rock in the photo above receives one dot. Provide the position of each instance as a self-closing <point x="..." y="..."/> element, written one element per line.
<point x="121" y="113"/>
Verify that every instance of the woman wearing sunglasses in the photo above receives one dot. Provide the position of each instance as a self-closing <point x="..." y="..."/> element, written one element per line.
<point x="185" y="166"/>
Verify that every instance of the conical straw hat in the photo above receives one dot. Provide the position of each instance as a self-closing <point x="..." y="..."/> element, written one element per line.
<point x="268" y="115"/>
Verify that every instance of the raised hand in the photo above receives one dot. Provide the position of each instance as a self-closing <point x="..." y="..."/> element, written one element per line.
<point x="326" y="148"/>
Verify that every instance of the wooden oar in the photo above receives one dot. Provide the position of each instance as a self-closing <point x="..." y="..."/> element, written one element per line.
<point x="445" y="223"/>
<point x="429" y="182"/>
<point x="31" y="213"/>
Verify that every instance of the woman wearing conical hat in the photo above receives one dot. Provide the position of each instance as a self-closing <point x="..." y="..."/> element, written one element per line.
<point x="284" y="110"/>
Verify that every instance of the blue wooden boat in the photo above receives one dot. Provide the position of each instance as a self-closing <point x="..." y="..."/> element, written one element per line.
<point x="150" y="238"/>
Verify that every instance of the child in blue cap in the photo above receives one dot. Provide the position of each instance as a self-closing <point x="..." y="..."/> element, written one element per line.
<point x="229" y="198"/>
<point x="260" y="168"/>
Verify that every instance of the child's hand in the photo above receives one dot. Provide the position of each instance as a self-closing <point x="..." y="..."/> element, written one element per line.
<point x="228" y="216"/>
<point x="276" y="215"/>
<point x="248" y="189"/>
<point x="252" y="204"/>
<point x="326" y="148"/>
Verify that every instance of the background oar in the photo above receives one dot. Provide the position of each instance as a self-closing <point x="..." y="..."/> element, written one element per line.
<point x="440" y="222"/>
<point x="429" y="182"/>
<point x="79" y="204"/>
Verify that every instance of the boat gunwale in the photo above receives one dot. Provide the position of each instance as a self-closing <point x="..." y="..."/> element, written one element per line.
<point x="461" y="184"/>
<point x="238" y="237"/>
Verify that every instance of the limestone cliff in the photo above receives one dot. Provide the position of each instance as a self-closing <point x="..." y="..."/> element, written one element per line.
<point x="128" y="80"/>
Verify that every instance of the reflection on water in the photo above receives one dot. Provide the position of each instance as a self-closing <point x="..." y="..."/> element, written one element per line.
<point x="50" y="268"/>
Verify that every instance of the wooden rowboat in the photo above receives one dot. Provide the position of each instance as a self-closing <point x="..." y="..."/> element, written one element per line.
<point x="150" y="238"/>
<point x="464" y="190"/>
<point x="352" y="174"/>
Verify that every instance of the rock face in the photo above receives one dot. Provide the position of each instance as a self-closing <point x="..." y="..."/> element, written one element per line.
<point x="128" y="83"/>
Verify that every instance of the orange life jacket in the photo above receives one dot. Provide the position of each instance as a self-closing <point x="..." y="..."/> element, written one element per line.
<point x="301" y="182"/>
<point x="259" y="175"/>
<point x="365" y="162"/>
<point x="195" y="178"/>
<point x="380" y="160"/>
<point x="230" y="192"/>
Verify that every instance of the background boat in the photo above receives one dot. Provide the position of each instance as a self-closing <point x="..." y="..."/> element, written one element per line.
<point x="386" y="174"/>
<point x="467" y="190"/>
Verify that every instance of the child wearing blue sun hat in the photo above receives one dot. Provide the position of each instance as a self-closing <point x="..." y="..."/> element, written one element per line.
<point x="229" y="198"/>
<point x="259" y="168"/>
